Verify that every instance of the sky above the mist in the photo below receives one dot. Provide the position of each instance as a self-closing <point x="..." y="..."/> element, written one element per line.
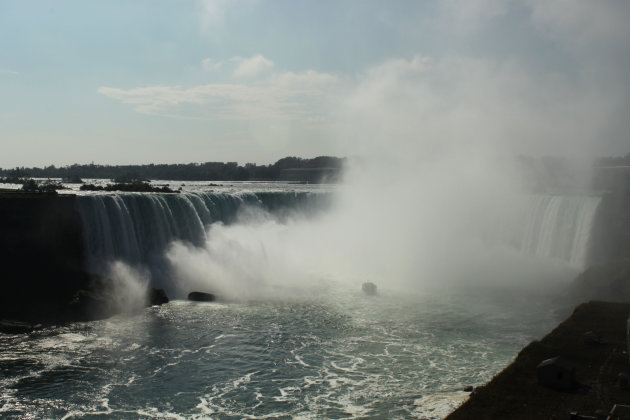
<point x="168" y="81"/>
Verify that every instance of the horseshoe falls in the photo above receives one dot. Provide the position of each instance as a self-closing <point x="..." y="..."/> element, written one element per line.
<point x="560" y="227"/>
<point x="135" y="227"/>
<point x="552" y="227"/>
<point x="292" y="334"/>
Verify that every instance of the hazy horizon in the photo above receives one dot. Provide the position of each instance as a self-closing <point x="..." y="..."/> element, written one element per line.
<point x="253" y="80"/>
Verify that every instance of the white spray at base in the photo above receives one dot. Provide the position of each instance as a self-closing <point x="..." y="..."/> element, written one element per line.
<point x="128" y="287"/>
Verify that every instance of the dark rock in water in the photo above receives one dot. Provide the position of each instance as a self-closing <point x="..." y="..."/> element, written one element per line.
<point x="469" y="388"/>
<point x="369" y="288"/>
<point x="17" y="327"/>
<point x="100" y="302"/>
<point x="201" y="297"/>
<point x="89" y="305"/>
<point x="157" y="297"/>
<point x="557" y="373"/>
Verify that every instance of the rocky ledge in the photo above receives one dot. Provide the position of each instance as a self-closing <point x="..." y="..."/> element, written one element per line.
<point x="86" y="305"/>
<point x="599" y="367"/>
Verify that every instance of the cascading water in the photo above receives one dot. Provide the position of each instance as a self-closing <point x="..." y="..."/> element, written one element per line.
<point x="554" y="227"/>
<point x="136" y="227"/>
<point x="560" y="227"/>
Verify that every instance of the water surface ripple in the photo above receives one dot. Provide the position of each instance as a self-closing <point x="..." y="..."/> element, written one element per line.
<point x="347" y="356"/>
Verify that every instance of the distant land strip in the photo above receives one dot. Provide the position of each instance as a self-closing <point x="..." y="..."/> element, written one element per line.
<point x="318" y="169"/>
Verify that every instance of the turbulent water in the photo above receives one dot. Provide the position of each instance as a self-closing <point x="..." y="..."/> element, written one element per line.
<point x="322" y="351"/>
<point x="339" y="355"/>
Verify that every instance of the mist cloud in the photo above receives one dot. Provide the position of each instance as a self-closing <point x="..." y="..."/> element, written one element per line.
<point x="474" y="106"/>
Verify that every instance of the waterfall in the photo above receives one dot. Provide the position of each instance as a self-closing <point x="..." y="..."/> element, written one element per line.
<point x="559" y="227"/>
<point x="138" y="227"/>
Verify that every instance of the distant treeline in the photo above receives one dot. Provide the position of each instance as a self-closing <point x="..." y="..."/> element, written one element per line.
<point x="319" y="169"/>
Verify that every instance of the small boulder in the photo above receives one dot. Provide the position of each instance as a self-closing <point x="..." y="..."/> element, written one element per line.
<point x="157" y="297"/>
<point x="17" y="327"/>
<point x="89" y="305"/>
<point x="201" y="297"/>
<point x="557" y="373"/>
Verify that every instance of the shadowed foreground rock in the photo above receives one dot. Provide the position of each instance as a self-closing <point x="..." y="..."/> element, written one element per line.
<point x="516" y="393"/>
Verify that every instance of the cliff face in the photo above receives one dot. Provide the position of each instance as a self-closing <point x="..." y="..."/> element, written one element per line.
<point x="610" y="237"/>
<point x="516" y="393"/>
<point x="40" y="254"/>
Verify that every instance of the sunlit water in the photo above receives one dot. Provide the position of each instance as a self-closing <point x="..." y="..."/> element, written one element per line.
<point x="336" y="354"/>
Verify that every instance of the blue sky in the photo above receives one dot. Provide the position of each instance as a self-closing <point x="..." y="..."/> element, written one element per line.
<point x="118" y="82"/>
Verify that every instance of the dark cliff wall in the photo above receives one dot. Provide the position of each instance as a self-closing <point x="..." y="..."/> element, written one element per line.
<point x="610" y="237"/>
<point x="41" y="253"/>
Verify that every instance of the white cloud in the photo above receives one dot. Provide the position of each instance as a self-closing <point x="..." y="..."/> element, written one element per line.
<point x="251" y="67"/>
<point x="309" y="81"/>
<point x="289" y="96"/>
<point x="243" y="68"/>
<point x="9" y="72"/>
<point x="213" y="12"/>
<point x="209" y="64"/>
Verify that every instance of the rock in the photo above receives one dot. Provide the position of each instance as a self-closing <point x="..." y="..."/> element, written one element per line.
<point x="369" y="288"/>
<point x="201" y="297"/>
<point x="157" y="296"/>
<point x="89" y="305"/>
<point x="469" y="388"/>
<point x="592" y="338"/>
<point x="557" y="373"/>
<point x="574" y="415"/>
<point x="17" y="327"/>
<point x="623" y="380"/>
